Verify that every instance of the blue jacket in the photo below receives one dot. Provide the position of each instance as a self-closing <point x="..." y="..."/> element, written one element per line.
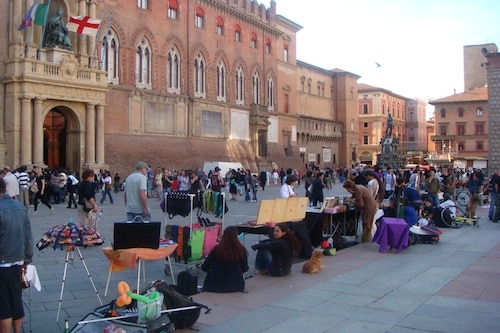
<point x="16" y="240"/>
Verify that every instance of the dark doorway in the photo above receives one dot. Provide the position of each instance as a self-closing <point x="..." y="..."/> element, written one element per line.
<point x="54" y="139"/>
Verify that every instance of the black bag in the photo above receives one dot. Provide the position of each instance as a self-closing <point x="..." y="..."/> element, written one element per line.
<point x="187" y="284"/>
<point x="174" y="300"/>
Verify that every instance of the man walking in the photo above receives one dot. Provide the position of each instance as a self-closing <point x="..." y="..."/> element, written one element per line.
<point x="136" y="196"/>
<point x="16" y="250"/>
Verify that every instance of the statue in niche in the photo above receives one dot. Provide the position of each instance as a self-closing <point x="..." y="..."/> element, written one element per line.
<point x="57" y="34"/>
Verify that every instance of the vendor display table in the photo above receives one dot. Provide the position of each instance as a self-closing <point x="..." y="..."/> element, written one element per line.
<point x="391" y="232"/>
<point x="127" y="258"/>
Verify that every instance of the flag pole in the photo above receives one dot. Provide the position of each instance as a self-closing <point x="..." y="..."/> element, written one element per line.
<point x="106" y="38"/>
<point x="43" y="32"/>
<point x="92" y="56"/>
<point x="30" y="35"/>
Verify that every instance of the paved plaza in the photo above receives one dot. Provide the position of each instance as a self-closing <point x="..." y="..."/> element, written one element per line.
<point x="452" y="286"/>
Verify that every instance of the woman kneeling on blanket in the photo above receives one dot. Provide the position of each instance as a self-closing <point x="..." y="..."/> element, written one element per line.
<point x="226" y="264"/>
<point x="275" y="256"/>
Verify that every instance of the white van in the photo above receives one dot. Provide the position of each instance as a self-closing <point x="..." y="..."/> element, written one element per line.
<point x="224" y="167"/>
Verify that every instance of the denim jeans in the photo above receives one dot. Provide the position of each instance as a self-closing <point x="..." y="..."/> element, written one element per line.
<point x="133" y="217"/>
<point x="263" y="260"/>
<point x="434" y="199"/>
<point x="491" y="212"/>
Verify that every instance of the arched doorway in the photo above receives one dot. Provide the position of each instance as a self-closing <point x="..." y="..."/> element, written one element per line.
<point x="54" y="139"/>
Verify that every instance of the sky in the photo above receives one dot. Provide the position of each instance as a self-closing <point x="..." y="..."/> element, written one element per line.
<point x="418" y="43"/>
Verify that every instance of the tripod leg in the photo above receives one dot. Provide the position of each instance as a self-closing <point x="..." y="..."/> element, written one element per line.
<point x="89" y="275"/>
<point x="62" y="284"/>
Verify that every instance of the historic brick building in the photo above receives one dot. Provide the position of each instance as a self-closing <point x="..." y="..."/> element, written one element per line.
<point x="174" y="83"/>
<point x="374" y="106"/>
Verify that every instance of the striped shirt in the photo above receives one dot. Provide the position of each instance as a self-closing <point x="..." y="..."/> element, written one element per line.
<point x="23" y="179"/>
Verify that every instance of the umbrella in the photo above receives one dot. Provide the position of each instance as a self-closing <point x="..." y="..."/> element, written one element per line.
<point x="70" y="235"/>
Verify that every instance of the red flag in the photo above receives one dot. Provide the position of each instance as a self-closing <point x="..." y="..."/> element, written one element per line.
<point x="84" y="25"/>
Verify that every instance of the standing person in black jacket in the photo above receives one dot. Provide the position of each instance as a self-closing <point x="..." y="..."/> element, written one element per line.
<point x="316" y="194"/>
<point x="275" y="256"/>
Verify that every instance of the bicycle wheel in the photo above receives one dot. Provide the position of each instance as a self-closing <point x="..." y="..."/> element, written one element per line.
<point x="453" y="216"/>
<point x="463" y="197"/>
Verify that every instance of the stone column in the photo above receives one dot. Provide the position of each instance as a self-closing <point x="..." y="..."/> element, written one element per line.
<point x="99" y="134"/>
<point x="90" y="135"/>
<point x="17" y="15"/>
<point x="82" y="45"/>
<point x="91" y="45"/>
<point x="37" y="133"/>
<point x="26" y="137"/>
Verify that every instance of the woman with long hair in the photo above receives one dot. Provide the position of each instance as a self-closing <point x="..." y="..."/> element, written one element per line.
<point x="43" y="190"/>
<point x="226" y="264"/>
<point x="275" y="256"/>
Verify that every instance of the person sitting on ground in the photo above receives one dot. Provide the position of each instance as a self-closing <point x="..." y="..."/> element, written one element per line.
<point x="226" y="264"/>
<point x="410" y="214"/>
<point x="275" y="256"/>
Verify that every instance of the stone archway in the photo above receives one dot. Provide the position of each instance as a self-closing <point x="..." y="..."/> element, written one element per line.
<point x="61" y="140"/>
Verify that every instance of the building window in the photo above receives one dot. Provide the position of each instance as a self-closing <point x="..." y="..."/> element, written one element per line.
<point x="286" y="103"/>
<point x="302" y="83"/>
<point x="442" y="130"/>
<point x="365" y="139"/>
<point x="365" y="108"/>
<point x="173" y="71"/>
<point x="318" y="87"/>
<point x="219" y="29"/>
<point x="109" y="57"/>
<point x="285" y="53"/>
<point x="143" y="65"/>
<point x="270" y="94"/>
<point x="199" y="76"/>
<point x="365" y="125"/>
<point x="268" y="46"/>
<point x="221" y="81"/>
<point x="479" y="145"/>
<point x="479" y="128"/>
<point x="199" y="18"/>
<point x="308" y="86"/>
<point x="460" y="129"/>
<point x="461" y="145"/>
<point x="237" y="33"/>
<point x="443" y="113"/>
<point x="173" y="8"/>
<point x="479" y="112"/>
<point x="412" y="116"/>
<point x="253" y="40"/>
<point x="143" y="4"/>
<point x="240" y="86"/>
<point x="460" y="112"/>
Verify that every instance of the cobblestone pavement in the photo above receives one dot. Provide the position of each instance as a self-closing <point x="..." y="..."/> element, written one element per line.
<point x="451" y="286"/>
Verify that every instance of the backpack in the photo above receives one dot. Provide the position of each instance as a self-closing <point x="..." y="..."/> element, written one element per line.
<point x="172" y="299"/>
<point x="187" y="284"/>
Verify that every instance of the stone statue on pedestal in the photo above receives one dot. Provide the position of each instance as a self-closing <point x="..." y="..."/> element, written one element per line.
<point x="56" y="33"/>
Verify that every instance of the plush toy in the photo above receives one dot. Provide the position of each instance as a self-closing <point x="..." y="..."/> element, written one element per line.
<point x="149" y="305"/>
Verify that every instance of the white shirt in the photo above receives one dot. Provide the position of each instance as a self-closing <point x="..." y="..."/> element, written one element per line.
<point x="373" y="188"/>
<point x="12" y="187"/>
<point x="286" y="191"/>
